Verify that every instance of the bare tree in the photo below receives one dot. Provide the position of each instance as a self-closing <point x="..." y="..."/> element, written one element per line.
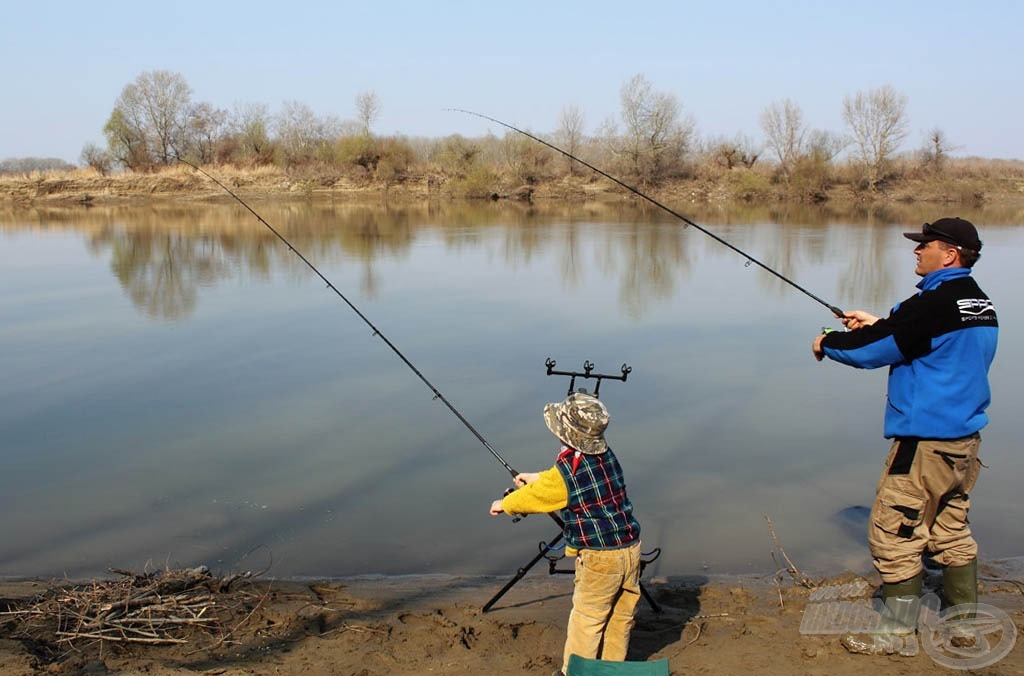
<point x="148" y="124"/>
<point x="935" y="151"/>
<point x="570" y="133"/>
<point x="97" y="158"/>
<point x="739" y="150"/>
<point x="206" y="126"/>
<point x="526" y="160"/>
<point x="811" y="175"/>
<point x="878" y="122"/>
<point x="824" y="145"/>
<point x="250" y="125"/>
<point x="784" y="131"/>
<point x="302" y="134"/>
<point x="367" y="109"/>
<point x="656" y="135"/>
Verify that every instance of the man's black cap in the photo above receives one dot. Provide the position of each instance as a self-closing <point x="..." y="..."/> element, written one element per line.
<point x="955" y="231"/>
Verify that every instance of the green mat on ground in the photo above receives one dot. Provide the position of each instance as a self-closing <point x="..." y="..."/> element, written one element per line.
<point x="585" y="666"/>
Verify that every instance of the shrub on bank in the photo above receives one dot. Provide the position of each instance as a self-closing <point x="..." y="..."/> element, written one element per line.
<point x="458" y="167"/>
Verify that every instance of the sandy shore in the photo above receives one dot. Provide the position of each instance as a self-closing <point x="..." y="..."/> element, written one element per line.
<point x="434" y="625"/>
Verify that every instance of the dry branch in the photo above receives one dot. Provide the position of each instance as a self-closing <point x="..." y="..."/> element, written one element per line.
<point x="168" y="607"/>
<point x="791" y="568"/>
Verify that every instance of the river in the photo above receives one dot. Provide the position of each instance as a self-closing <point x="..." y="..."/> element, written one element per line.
<point x="179" y="388"/>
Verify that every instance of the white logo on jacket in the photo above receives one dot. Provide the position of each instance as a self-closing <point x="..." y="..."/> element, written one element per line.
<point x="974" y="306"/>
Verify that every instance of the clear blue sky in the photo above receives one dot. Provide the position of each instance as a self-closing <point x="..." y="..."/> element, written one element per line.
<point x="960" y="63"/>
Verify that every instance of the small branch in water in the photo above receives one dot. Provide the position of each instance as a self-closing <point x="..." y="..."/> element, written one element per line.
<point x="791" y="568"/>
<point x="778" y="587"/>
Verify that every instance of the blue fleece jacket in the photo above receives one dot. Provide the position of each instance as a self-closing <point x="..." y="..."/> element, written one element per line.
<point x="938" y="345"/>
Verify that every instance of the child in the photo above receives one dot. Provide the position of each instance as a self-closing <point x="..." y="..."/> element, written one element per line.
<point x="586" y="485"/>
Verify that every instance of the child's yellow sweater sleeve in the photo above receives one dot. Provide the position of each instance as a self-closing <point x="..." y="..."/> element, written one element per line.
<point x="547" y="494"/>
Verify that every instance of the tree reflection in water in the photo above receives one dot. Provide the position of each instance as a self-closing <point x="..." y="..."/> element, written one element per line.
<point x="163" y="254"/>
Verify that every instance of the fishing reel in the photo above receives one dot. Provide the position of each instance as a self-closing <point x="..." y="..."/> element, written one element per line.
<point x="516" y="518"/>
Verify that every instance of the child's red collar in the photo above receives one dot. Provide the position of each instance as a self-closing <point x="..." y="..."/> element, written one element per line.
<point x="577" y="456"/>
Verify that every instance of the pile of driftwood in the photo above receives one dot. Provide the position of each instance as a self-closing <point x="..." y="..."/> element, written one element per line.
<point x="162" y="607"/>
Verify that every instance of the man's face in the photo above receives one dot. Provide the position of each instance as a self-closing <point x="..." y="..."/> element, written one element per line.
<point x="932" y="256"/>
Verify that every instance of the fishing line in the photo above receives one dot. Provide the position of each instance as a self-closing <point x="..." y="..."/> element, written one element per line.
<point x="750" y="259"/>
<point x="376" y="331"/>
<point x="437" y="393"/>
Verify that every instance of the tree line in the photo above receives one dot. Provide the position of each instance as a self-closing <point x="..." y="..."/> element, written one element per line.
<point x="155" y="121"/>
<point x="28" y="165"/>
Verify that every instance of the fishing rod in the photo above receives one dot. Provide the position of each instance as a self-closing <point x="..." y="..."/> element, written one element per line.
<point x="552" y="544"/>
<point x="376" y="331"/>
<point x="750" y="259"/>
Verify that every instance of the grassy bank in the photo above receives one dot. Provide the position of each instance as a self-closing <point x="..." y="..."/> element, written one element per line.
<point x="966" y="182"/>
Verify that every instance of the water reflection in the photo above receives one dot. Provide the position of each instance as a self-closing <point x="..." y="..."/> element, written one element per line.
<point x="868" y="277"/>
<point x="163" y="254"/>
<point x="162" y="271"/>
<point x="652" y="258"/>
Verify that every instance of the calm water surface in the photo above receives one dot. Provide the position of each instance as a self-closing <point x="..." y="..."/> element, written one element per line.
<point x="179" y="389"/>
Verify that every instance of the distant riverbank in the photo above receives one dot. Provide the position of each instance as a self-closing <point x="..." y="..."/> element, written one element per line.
<point x="87" y="187"/>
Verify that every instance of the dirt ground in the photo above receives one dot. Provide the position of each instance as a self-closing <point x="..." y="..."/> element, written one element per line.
<point x="435" y="625"/>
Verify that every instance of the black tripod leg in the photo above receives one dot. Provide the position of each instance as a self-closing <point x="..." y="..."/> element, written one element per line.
<point x="654" y="554"/>
<point x="650" y="599"/>
<point x="521" y="572"/>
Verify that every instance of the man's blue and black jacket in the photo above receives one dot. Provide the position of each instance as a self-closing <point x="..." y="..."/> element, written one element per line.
<point x="938" y="345"/>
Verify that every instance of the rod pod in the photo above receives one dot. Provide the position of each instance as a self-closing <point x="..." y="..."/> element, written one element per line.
<point x="588" y="367"/>
<point x="545" y="548"/>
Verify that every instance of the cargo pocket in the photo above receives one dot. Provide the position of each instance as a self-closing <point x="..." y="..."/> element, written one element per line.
<point x="971" y="475"/>
<point x="898" y="513"/>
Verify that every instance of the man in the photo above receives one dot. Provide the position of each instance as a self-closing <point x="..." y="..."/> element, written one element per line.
<point x="938" y="345"/>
